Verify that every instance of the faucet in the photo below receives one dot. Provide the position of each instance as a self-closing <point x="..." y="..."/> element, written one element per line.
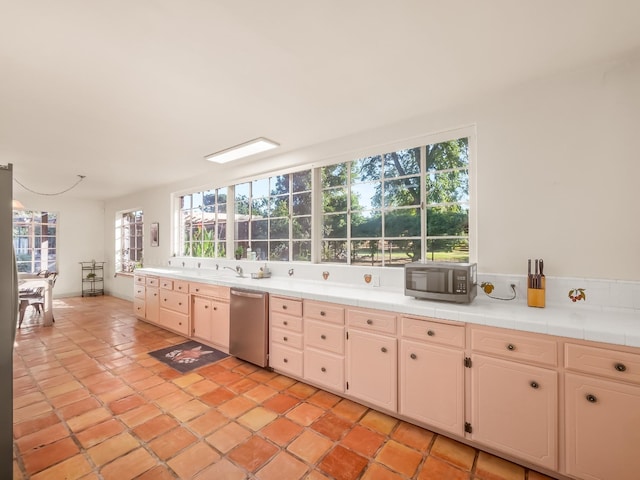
<point x="238" y="270"/>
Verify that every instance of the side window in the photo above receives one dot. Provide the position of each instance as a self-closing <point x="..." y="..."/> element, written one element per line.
<point x="129" y="241"/>
<point x="34" y="240"/>
<point x="203" y="223"/>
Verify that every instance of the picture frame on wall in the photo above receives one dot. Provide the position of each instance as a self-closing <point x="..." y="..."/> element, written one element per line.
<point x="155" y="234"/>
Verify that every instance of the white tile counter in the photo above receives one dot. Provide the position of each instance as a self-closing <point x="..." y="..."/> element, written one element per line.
<point x="576" y="320"/>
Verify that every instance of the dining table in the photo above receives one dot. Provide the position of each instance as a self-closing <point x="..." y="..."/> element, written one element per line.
<point x="28" y="283"/>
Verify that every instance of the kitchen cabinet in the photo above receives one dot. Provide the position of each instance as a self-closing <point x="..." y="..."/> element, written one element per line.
<point x="431" y="373"/>
<point x="324" y="344"/>
<point x="146" y="297"/>
<point x="210" y="314"/>
<point x="514" y="403"/>
<point x="174" y="306"/>
<point x="372" y="357"/>
<point x="285" y="335"/>
<point x="602" y="413"/>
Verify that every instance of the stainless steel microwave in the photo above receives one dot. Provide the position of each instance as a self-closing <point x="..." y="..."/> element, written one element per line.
<point x="449" y="282"/>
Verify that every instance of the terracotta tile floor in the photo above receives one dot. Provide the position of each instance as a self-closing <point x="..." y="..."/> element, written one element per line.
<point x="90" y="403"/>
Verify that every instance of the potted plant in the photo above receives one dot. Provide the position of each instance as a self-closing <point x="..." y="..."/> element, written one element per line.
<point x="239" y="252"/>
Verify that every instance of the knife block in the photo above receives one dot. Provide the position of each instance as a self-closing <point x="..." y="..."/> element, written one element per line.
<point x="536" y="296"/>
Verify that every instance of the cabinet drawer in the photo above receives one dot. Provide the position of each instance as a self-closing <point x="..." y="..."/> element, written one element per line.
<point x="285" y="359"/>
<point x="175" y="321"/>
<point x="166" y="283"/>
<point x="324" y="368"/>
<point x="599" y="361"/>
<point x="324" y="336"/>
<point x="181" y="286"/>
<point x="138" y="291"/>
<point x="217" y="291"/>
<point x="139" y="280"/>
<point x="286" y="337"/>
<point x="138" y="307"/>
<point x="432" y="332"/>
<point x="516" y="346"/>
<point x="373" y="320"/>
<point x="281" y="320"/>
<point x="152" y="281"/>
<point x="290" y="306"/>
<point x="176" y="301"/>
<point x="326" y="312"/>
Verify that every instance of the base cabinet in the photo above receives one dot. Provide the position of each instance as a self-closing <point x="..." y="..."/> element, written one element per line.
<point x="432" y="385"/>
<point x="602" y="428"/>
<point x="372" y="366"/>
<point x="514" y="409"/>
<point x="210" y="321"/>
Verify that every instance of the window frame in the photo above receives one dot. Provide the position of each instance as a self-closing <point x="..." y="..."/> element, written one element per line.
<point x="125" y="263"/>
<point x="33" y="239"/>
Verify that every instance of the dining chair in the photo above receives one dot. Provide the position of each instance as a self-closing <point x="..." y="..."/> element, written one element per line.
<point x="34" y="296"/>
<point x="39" y="302"/>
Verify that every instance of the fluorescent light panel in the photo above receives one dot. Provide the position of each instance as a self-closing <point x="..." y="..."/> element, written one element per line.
<point x="246" y="149"/>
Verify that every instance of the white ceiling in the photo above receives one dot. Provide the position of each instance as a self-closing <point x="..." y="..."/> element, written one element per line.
<point x="133" y="94"/>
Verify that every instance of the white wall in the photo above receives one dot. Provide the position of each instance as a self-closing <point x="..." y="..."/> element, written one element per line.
<point x="557" y="175"/>
<point x="80" y="235"/>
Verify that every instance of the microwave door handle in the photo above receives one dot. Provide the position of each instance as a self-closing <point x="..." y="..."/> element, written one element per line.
<point x="450" y="290"/>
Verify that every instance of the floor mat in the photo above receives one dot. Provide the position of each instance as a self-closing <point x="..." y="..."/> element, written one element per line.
<point x="188" y="356"/>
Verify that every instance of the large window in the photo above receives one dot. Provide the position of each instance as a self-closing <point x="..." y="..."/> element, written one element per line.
<point x="203" y="223"/>
<point x="273" y="217"/>
<point x="386" y="209"/>
<point x="34" y="240"/>
<point x="398" y="207"/>
<point x="129" y="241"/>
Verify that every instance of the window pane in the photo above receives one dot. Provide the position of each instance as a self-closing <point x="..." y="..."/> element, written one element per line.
<point x="197" y="199"/>
<point x="334" y="175"/>
<point x="259" y="208"/>
<point x="280" y="206"/>
<point x="302" y="251"/>
<point x="399" y="252"/>
<point x="260" y="188"/>
<point x="445" y="155"/>
<point x="367" y="252"/>
<point x="446" y="187"/>
<point x="334" y="200"/>
<point x="401" y="163"/>
<point x="334" y="226"/>
<point x="334" y="251"/>
<point x="185" y="202"/>
<point x="279" y="251"/>
<point x="242" y="191"/>
<point x="261" y="249"/>
<point x="366" y="169"/>
<point x="209" y="199"/>
<point x="448" y="250"/>
<point x="366" y="226"/>
<point x="452" y="220"/>
<point x="301" y="181"/>
<point x="365" y="196"/>
<point x="402" y="192"/>
<point x="259" y="229"/>
<point x="222" y="195"/>
<point x="402" y="223"/>
<point x="301" y="227"/>
<point x="302" y="203"/>
<point x="279" y="228"/>
<point x="279" y="184"/>
<point x="242" y="230"/>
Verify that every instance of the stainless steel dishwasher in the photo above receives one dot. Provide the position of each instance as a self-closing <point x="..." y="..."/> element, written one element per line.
<point x="249" y="326"/>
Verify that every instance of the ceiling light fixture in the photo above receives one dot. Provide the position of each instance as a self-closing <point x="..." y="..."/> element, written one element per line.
<point x="257" y="145"/>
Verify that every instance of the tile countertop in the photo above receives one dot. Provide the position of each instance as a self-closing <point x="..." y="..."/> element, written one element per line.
<point x="574" y="321"/>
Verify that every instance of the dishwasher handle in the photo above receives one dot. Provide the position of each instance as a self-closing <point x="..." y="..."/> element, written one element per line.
<point x="247" y="294"/>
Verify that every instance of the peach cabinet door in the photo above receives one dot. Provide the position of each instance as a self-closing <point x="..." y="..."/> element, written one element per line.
<point x="152" y="304"/>
<point x="602" y="428"/>
<point x="515" y="409"/>
<point x="202" y="324"/>
<point x="432" y="385"/>
<point x="220" y="324"/>
<point x="372" y="362"/>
